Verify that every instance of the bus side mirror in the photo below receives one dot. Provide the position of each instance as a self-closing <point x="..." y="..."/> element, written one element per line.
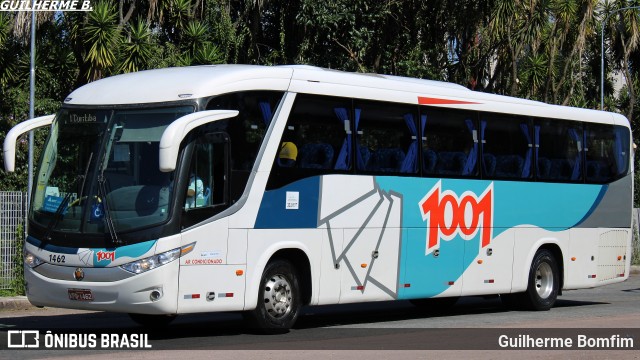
<point x="15" y="132"/>
<point x="177" y="130"/>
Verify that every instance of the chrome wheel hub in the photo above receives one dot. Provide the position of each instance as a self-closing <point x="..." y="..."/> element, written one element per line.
<point x="544" y="280"/>
<point x="277" y="296"/>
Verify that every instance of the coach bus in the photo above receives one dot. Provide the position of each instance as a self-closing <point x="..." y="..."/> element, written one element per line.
<point x="265" y="189"/>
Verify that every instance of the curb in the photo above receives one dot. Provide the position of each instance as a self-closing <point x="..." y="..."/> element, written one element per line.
<point x="15" y="303"/>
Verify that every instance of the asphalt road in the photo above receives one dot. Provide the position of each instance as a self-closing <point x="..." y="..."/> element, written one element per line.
<point x="387" y="330"/>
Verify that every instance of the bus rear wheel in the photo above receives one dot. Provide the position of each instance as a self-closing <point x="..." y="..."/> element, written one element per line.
<point x="544" y="282"/>
<point x="279" y="300"/>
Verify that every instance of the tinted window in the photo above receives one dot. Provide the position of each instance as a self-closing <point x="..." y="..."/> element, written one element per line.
<point x="606" y="152"/>
<point x="249" y="127"/>
<point x="387" y="138"/>
<point x="206" y="190"/>
<point x="246" y="131"/>
<point x="507" y="146"/>
<point x="316" y="140"/>
<point x="449" y="144"/>
<point x="559" y="150"/>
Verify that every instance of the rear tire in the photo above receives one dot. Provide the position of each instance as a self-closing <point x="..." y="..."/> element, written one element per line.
<point x="279" y="300"/>
<point x="152" y="321"/>
<point x="544" y="282"/>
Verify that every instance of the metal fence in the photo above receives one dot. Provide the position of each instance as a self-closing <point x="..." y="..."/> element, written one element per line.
<point x="11" y="217"/>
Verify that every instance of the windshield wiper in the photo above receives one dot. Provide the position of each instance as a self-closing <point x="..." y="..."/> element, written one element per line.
<point x="102" y="193"/>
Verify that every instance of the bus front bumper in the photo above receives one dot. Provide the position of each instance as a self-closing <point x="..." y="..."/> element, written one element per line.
<point x="105" y="289"/>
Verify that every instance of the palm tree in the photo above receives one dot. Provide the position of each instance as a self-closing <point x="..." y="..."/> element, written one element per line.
<point x="7" y="53"/>
<point x="137" y="49"/>
<point x="623" y="29"/>
<point x="101" y="37"/>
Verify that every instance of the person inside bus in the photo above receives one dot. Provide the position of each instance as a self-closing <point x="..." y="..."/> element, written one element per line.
<point x="195" y="192"/>
<point x="288" y="154"/>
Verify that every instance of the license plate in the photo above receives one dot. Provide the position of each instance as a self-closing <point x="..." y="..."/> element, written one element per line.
<point x="80" y="295"/>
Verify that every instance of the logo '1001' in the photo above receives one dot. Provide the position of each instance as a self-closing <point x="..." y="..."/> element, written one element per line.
<point x="448" y="215"/>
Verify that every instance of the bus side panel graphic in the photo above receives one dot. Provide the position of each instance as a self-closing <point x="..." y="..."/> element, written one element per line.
<point x="385" y="216"/>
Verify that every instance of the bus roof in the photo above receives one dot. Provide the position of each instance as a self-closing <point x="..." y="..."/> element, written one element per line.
<point x="179" y="83"/>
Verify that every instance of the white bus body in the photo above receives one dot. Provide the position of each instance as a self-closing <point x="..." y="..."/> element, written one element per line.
<point x="313" y="186"/>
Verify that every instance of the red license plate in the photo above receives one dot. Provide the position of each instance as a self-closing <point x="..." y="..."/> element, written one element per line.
<point x="80" y="295"/>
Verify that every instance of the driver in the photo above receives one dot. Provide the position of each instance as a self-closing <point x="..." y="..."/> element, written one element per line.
<point x="195" y="191"/>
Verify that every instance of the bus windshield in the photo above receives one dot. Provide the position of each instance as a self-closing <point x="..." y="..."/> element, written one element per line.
<point x="100" y="167"/>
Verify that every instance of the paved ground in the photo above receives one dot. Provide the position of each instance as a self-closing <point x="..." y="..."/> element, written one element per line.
<point x="381" y="326"/>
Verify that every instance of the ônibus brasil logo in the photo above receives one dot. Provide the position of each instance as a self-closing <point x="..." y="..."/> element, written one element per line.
<point x="449" y="215"/>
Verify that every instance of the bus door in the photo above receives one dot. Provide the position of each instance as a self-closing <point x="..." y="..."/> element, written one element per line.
<point x="207" y="282"/>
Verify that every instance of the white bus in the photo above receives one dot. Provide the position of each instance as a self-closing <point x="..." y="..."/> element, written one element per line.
<point x="265" y="189"/>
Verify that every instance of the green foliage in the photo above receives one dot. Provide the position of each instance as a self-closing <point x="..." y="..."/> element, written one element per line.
<point x="179" y="12"/>
<point x="547" y="50"/>
<point x="101" y="37"/>
<point x="534" y="72"/>
<point x="138" y="48"/>
<point x="208" y="53"/>
<point x="18" y="283"/>
<point x="194" y="35"/>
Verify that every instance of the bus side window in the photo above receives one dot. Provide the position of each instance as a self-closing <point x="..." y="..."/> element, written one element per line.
<point x="559" y="150"/>
<point x="201" y="180"/>
<point x="507" y="146"/>
<point x="386" y="138"/>
<point x="606" y="152"/>
<point x="207" y="187"/>
<point x="450" y="142"/>
<point x="247" y="131"/>
<point x="316" y="140"/>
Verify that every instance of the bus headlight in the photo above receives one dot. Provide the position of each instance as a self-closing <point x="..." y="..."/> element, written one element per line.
<point x="32" y="260"/>
<point x="152" y="262"/>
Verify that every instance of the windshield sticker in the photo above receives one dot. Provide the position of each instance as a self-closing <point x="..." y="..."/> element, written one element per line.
<point x="52" y="203"/>
<point x="97" y="212"/>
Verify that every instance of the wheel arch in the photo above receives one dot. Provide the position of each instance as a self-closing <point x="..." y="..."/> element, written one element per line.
<point x="522" y="262"/>
<point x="557" y="254"/>
<point x="300" y="261"/>
<point x="294" y="252"/>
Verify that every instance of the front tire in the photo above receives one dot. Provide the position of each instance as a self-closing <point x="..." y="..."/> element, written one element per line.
<point x="544" y="282"/>
<point x="279" y="300"/>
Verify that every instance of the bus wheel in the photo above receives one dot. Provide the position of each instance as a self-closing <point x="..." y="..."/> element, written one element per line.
<point x="279" y="301"/>
<point x="544" y="282"/>
<point x="152" y="321"/>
